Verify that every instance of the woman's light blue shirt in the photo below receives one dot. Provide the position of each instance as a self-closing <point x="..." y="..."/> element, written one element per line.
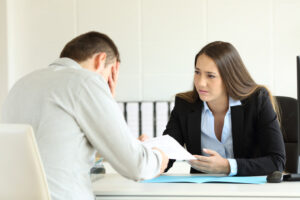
<point x="209" y="139"/>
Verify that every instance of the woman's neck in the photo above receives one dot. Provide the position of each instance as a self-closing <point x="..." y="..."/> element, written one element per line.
<point x="219" y="106"/>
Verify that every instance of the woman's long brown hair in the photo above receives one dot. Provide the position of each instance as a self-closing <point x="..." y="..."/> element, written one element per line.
<point x="236" y="78"/>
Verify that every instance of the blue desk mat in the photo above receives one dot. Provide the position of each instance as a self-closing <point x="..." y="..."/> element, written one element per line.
<point x="208" y="179"/>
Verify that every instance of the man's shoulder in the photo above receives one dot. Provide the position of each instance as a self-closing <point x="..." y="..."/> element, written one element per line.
<point x="73" y="75"/>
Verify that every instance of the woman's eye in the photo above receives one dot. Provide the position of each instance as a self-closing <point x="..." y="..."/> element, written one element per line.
<point x="197" y="72"/>
<point x="211" y="76"/>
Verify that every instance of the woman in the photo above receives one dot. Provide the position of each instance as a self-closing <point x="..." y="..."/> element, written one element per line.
<point x="228" y="122"/>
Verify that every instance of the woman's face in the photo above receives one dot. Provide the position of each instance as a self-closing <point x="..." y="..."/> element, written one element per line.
<point x="208" y="81"/>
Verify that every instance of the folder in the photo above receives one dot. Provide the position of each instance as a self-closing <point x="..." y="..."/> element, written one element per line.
<point x="207" y="179"/>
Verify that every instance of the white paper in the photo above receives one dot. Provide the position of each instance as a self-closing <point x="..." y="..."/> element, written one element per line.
<point x="170" y="147"/>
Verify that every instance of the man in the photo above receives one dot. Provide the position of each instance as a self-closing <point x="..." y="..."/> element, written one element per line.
<point x="71" y="108"/>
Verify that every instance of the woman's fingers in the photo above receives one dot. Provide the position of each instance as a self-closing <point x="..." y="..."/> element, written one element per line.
<point x="210" y="152"/>
<point x="203" y="158"/>
<point x="199" y="165"/>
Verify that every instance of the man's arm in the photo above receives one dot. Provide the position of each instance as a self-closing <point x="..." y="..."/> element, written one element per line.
<point x="100" y="118"/>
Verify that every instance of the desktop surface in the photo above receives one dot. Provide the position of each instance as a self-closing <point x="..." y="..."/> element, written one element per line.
<point x="114" y="186"/>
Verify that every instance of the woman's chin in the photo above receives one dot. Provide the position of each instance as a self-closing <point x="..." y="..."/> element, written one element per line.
<point x="204" y="97"/>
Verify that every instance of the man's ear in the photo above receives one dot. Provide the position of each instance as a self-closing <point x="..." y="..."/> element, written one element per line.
<point x="100" y="59"/>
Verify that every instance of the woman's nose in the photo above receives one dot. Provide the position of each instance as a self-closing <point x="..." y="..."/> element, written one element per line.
<point x="201" y="82"/>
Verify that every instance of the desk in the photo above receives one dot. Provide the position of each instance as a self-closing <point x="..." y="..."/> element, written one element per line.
<point x="113" y="186"/>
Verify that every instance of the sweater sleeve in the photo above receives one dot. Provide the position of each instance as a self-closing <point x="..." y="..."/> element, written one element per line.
<point x="102" y="122"/>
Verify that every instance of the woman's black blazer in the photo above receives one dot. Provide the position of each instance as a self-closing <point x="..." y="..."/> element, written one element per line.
<point x="258" y="145"/>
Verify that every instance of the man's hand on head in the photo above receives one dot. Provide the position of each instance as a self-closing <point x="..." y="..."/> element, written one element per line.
<point x="113" y="78"/>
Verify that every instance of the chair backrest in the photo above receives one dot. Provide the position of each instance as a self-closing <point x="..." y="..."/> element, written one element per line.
<point x="289" y="126"/>
<point x="21" y="171"/>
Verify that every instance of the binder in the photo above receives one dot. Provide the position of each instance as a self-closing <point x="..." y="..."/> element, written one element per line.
<point x="132" y="110"/>
<point x="121" y="105"/>
<point x="147" y="119"/>
<point x="162" y="114"/>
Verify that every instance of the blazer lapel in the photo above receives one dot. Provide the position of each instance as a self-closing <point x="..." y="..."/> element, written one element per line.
<point x="194" y="128"/>
<point x="237" y="121"/>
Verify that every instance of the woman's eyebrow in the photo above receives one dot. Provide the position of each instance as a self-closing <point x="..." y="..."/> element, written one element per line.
<point x="208" y="72"/>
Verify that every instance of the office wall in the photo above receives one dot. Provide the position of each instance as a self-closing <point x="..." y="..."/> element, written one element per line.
<point x="158" y="39"/>
<point x="3" y="53"/>
<point x="37" y="31"/>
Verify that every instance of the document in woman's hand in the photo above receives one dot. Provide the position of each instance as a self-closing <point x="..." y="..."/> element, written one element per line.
<point x="170" y="146"/>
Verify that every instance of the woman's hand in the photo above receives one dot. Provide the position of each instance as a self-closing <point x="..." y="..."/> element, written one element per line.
<point x="212" y="164"/>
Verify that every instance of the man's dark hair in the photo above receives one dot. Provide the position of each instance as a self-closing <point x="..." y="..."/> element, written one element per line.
<point x="86" y="45"/>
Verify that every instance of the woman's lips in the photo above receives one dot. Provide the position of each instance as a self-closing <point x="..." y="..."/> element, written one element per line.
<point x="203" y="92"/>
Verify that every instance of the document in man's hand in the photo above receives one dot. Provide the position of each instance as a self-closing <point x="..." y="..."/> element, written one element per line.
<point x="170" y="147"/>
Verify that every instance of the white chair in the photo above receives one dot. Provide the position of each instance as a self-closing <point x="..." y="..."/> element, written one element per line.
<point x="22" y="174"/>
